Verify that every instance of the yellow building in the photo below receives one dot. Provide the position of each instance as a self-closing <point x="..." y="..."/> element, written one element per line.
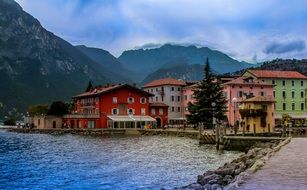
<point x="47" y="122"/>
<point x="257" y="114"/>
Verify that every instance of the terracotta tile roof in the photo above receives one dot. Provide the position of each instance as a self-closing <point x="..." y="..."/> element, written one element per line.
<point x="277" y="74"/>
<point x="166" y="81"/>
<point x="260" y="99"/>
<point x="245" y="80"/>
<point x="104" y="89"/>
<point x="158" y="104"/>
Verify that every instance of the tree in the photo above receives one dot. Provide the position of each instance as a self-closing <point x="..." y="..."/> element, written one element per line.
<point x="89" y="86"/>
<point x="209" y="100"/>
<point x="58" y="108"/>
<point x="39" y="109"/>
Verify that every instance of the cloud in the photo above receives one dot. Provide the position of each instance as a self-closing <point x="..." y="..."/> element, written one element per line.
<point x="239" y="28"/>
<point x="279" y="48"/>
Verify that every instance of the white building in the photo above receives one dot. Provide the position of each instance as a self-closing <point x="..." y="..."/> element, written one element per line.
<point x="169" y="92"/>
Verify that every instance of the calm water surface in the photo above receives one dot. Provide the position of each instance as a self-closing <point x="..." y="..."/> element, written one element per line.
<point x="40" y="161"/>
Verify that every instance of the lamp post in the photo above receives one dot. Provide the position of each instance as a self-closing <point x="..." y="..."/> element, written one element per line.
<point x="217" y="132"/>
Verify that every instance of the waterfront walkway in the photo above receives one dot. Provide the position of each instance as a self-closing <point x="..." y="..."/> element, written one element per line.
<point x="287" y="169"/>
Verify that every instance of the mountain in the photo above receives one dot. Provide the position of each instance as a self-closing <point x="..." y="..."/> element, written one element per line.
<point x="280" y="65"/>
<point x="179" y="70"/>
<point x="286" y="65"/>
<point x="148" y="61"/>
<point x="36" y="66"/>
<point x="113" y="68"/>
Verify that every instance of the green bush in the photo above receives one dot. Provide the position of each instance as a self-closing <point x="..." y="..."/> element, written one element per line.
<point x="10" y="121"/>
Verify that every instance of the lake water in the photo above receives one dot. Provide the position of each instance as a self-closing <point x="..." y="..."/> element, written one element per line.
<point x="41" y="161"/>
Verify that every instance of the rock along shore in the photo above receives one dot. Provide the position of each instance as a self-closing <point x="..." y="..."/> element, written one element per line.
<point x="232" y="174"/>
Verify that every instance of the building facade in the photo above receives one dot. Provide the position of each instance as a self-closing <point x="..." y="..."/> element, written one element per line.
<point x="115" y="106"/>
<point x="257" y="114"/>
<point x="47" y="122"/>
<point x="290" y="92"/>
<point x="241" y="88"/>
<point x="169" y="92"/>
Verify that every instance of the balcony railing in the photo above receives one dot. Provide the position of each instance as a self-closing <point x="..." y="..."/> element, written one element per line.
<point x="80" y="116"/>
<point x="252" y="113"/>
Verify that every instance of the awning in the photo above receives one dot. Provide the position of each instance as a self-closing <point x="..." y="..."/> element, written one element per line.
<point x="293" y="116"/>
<point x="131" y="118"/>
<point x="178" y="119"/>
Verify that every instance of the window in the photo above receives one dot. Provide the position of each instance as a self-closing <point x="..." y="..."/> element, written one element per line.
<point x="114" y="111"/>
<point x="173" y="109"/>
<point x="179" y="89"/>
<point x="151" y="90"/>
<point x="130" y="100"/>
<point x="153" y="111"/>
<point x="162" y="98"/>
<point x="130" y="111"/>
<point x="96" y="99"/>
<point x="284" y="106"/>
<point x="302" y="106"/>
<point x="302" y="83"/>
<point x="38" y="122"/>
<point x="157" y="98"/>
<point x="151" y="99"/>
<point x="162" y="88"/>
<point x="156" y="89"/>
<point x="143" y="100"/>
<point x="284" y="94"/>
<point x="185" y="97"/>
<point x="90" y="124"/>
<point x="178" y="98"/>
<point x="114" y="100"/>
<point x="161" y="111"/>
<point x="172" y="98"/>
<point x="293" y="83"/>
<point x="262" y="93"/>
<point x="143" y="111"/>
<point x="273" y="81"/>
<point x="173" y="88"/>
<point x="283" y="83"/>
<point x="240" y="94"/>
<point x="274" y="94"/>
<point x="178" y="109"/>
<point x="302" y="94"/>
<point x="97" y="111"/>
<point x="293" y="106"/>
<point x="264" y="107"/>
<point x="293" y="94"/>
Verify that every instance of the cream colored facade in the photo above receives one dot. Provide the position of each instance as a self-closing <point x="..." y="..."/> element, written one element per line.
<point x="47" y="122"/>
<point x="257" y="115"/>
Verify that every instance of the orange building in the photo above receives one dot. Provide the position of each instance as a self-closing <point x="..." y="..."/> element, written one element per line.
<point x="115" y="106"/>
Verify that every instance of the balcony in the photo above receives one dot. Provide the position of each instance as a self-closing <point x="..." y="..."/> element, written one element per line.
<point x="252" y="113"/>
<point x="88" y="104"/>
<point x="81" y="116"/>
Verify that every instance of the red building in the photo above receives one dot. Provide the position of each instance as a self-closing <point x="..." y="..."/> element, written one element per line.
<point x="115" y="106"/>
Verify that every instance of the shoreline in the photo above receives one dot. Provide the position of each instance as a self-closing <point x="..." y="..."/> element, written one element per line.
<point x="194" y="134"/>
<point x="233" y="173"/>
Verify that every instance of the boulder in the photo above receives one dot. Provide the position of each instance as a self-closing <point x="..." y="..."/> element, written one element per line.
<point x="227" y="179"/>
<point x="216" y="187"/>
<point x="225" y="171"/>
<point x="205" y="179"/>
<point x="207" y="187"/>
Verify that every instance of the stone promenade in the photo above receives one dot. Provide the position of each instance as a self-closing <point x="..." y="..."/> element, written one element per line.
<point x="285" y="170"/>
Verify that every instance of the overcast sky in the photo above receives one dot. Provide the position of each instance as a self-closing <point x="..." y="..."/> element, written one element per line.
<point x="250" y="30"/>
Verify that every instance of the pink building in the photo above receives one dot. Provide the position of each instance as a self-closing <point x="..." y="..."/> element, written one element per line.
<point x="240" y="88"/>
<point x="187" y="96"/>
